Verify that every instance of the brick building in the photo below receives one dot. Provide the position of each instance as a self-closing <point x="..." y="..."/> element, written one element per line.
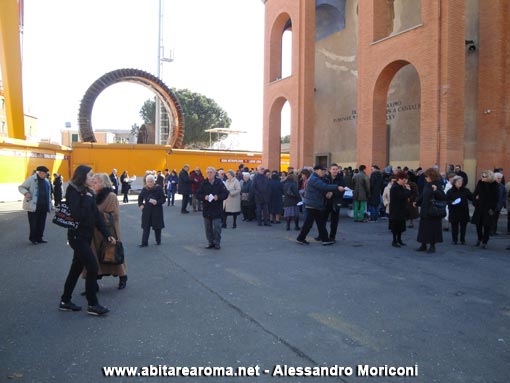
<point x="400" y="82"/>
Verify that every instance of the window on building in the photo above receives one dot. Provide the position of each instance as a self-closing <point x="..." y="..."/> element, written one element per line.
<point x="74" y="137"/>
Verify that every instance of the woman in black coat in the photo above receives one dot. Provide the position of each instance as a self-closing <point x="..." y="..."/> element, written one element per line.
<point x="82" y="204"/>
<point x="399" y="194"/>
<point x="151" y="201"/>
<point x="458" y="198"/>
<point x="430" y="230"/>
<point x="485" y="199"/>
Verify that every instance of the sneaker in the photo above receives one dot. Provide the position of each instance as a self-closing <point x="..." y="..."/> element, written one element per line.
<point x="97" y="310"/>
<point x="68" y="306"/>
<point x="302" y="241"/>
<point x="327" y="243"/>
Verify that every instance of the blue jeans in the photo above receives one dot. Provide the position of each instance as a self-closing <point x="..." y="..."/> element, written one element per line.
<point x="213" y="230"/>
<point x="374" y="210"/>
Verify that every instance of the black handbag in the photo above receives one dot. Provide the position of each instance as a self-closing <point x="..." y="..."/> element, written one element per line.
<point x="437" y="208"/>
<point x="110" y="254"/>
<point x="63" y="217"/>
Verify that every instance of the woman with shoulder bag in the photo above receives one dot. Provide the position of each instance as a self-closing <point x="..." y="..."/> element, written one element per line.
<point x="430" y="229"/>
<point x="458" y="198"/>
<point x="82" y="204"/>
<point x="290" y="201"/>
<point x="108" y="205"/>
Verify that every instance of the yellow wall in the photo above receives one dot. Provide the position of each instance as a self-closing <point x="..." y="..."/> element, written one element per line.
<point x="136" y="159"/>
<point x="19" y="158"/>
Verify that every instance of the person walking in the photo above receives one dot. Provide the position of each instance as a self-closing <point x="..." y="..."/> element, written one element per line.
<point x="361" y="194"/>
<point x="262" y="194"/>
<point x="184" y="188"/>
<point x="58" y="190"/>
<point x="429" y="229"/>
<point x="213" y="192"/>
<point x="485" y="200"/>
<point x="399" y="195"/>
<point x="82" y="205"/>
<point x="107" y="205"/>
<point x="501" y="202"/>
<point x="458" y="197"/>
<point x="334" y="203"/>
<point x="125" y="186"/>
<point x="36" y="190"/>
<point x="232" y="205"/>
<point x="315" y="192"/>
<point x="150" y="202"/>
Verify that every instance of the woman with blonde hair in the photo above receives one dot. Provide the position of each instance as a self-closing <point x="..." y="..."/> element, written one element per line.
<point x="232" y="205"/>
<point x="108" y="205"/>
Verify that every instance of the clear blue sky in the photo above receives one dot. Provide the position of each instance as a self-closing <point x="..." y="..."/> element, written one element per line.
<point x="67" y="45"/>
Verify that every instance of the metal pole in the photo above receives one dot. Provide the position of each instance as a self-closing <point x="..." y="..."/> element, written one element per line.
<point x="157" y="122"/>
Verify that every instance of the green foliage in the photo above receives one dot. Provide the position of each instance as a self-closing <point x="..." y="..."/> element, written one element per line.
<point x="148" y="111"/>
<point x="201" y="113"/>
<point x="285" y="139"/>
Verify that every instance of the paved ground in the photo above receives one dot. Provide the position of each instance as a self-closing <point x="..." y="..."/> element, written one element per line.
<point x="261" y="300"/>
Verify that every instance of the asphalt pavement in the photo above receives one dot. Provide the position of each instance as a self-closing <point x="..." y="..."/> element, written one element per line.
<point x="262" y="301"/>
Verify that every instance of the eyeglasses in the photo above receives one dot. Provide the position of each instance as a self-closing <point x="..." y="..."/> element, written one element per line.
<point x="484" y="175"/>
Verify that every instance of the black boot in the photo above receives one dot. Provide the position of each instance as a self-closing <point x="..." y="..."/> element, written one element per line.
<point x="288" y="224"/>
<point x="432" y="248"/>
<point x="122" y="282"/>
<point x="423" y="247"/>
<point x="296" y="221"/>
<point x="234" y="225"/>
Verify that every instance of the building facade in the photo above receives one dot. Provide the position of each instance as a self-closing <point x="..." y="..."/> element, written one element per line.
<point x="389" y="82"/>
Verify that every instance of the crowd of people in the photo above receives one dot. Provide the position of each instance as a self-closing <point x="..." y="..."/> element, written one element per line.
<point x="441" y="202"/>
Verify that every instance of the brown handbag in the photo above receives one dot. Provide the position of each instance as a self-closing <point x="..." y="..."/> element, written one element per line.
<point x="109" y="253"/>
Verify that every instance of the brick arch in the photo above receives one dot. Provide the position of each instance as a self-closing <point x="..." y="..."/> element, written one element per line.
<point x="279" y="26"/>
<point x="380" y="97"/>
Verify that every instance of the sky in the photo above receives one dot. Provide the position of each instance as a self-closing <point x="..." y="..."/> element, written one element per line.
<point x="218" y="50"/>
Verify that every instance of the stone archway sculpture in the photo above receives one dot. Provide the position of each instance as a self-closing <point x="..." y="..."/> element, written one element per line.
<point x="137" y="76"/>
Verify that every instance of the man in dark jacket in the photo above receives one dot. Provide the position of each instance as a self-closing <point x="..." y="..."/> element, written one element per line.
<point x="315" y="192"/>
<point x="212" y="192"/>
<point x="184" y="188"/>
<point x="376" y="184"/>
<point x="334" y="202"/>
<point x="361" y="194"/>
<point x="115" y="181"/>
<point x="262" y="194"/>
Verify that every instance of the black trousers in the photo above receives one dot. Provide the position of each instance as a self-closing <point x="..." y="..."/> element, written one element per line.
<point x="455" y="231"/>
<point x="333" y="226"/>
<point x="37" y="222"/>
<point x="125" y="199"/>
<point x="311" y="216"/>
<point x="483" y="232"/>
<point x="83" y="257"/>
<point x="146" y="233"/>
<point x="185" y="201"/>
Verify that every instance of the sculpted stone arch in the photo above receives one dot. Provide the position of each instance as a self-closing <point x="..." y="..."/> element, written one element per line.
<point x="165" y="94"/>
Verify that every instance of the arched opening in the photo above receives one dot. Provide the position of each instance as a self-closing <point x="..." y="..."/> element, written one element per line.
<point x="285" y="127"/>
<point x="287" y="52"/>
<point x="117" y="110"/>
<point x="397" y="115"/>
<point x="329" y="18"/>
<point x="280" y="54"/>
<point x="280" y="121"/>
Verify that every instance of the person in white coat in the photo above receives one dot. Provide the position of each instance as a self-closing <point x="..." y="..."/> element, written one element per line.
<point x="232" y="205"/>
<point x="37" y="202"/>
